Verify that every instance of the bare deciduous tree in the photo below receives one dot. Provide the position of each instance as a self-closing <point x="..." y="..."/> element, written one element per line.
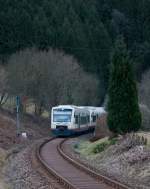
<point x="51" y="78"/>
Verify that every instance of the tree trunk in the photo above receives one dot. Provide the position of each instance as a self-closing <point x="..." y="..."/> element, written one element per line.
<point x="38" y="109"/>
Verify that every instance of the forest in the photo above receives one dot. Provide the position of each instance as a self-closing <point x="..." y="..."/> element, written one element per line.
<point x="83" y="30"/>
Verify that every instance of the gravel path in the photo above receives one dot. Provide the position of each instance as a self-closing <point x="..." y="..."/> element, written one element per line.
<point x="20" y="172"/>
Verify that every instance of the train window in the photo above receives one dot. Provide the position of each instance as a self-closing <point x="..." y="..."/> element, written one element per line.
<point x="83" y="120"/>
<point x="88" y="118"/>
<point x="76" y="119"/>
<point x="62" y="115"/>
<point x="94" y="118"/>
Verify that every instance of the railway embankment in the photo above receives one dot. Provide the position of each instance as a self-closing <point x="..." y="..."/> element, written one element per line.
<point x="125" y="159"/>
<point x="17" y="154"/>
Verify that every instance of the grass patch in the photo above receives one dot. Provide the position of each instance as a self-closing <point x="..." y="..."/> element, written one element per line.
<point x="102" y="146"/>
<point x="91" y="148"/>
<point x="76" y="146"/>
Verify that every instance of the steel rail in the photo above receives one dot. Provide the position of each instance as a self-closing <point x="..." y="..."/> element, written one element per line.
<point x="64" y="181"/>
<point x="84" y="168"/>
<point x="60" y="179"/>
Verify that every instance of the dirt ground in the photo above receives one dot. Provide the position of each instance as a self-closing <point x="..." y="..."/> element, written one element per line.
<point x="126" y="161"/>
<point x="16" y="153"/>
<point x="34" y="128"/>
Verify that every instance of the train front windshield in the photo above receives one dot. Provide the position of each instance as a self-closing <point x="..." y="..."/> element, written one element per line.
<point x="62" y="115"/>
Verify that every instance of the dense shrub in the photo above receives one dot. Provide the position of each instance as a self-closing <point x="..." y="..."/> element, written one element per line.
<point x="102" y="146"/>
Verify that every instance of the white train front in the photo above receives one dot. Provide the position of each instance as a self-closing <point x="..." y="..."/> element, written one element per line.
<point x="69" y="120"/>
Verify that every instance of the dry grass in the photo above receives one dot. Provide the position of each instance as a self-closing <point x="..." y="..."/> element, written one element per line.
<point x="127" y="161"/>
<point x="3" y="185"/>
<point x="3" y="155"/>
<point x="145" y="135"/>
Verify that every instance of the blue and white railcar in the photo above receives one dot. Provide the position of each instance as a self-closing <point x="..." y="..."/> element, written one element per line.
<point x="68" y="120"/>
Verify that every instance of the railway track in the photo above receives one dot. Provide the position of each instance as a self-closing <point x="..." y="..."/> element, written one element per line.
<point x="70" y="173"/>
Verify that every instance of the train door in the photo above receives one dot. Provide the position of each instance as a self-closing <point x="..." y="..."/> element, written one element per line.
<point x="88" y="120"/>
<point x="79" y="121"/>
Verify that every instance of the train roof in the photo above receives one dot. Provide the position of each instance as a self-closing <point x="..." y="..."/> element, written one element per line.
<point x="77" y="109"/>
<point x="95" y="109"/>
<point x="65" y="106"/>
<point x="81" y="108"/>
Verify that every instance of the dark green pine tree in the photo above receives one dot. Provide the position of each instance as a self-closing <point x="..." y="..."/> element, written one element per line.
<point x="42" y="33"/>
<point x="123" y="110"/>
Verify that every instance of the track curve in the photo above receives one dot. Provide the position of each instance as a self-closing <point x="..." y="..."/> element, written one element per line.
<point x="70" y="174"/>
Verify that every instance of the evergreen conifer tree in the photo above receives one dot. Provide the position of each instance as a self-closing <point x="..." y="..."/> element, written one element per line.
<point x="123" y="110"/>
